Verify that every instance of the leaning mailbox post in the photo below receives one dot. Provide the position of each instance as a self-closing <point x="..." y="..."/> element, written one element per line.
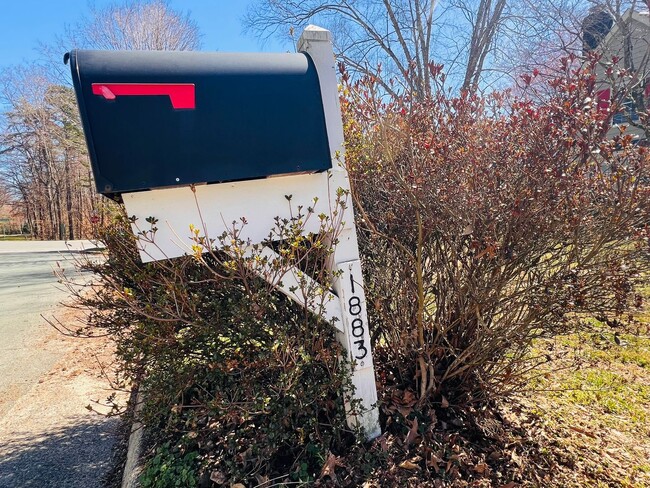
<point x="173" y="132"/>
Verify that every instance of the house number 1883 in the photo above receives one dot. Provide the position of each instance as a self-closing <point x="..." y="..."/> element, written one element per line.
<point x="353" y="303"/>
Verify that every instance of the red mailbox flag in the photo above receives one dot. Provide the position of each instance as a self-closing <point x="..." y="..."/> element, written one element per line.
<point x="180" y="94"/>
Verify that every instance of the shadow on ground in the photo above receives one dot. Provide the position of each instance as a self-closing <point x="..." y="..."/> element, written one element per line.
<point x="75" y="456"/>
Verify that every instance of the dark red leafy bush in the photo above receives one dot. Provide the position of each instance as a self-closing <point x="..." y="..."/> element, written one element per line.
<point x="488" y="222"/>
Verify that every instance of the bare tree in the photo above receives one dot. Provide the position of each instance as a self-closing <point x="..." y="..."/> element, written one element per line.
<point x="485" y="24"/>
<point x="407" y="39"/>
<point x="481" y="43"/>
<point x="43" y="156"/>
<point x="5" y="195"/>
<point x="152" y="25"/>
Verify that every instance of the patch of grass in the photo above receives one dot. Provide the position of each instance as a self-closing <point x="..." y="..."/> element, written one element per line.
<point x="612" y="393"/>
<point x="607" y="347"/>
<point x="594" y="401"/>
<point x="612" y="378"/>
<point x="631" y="350"/>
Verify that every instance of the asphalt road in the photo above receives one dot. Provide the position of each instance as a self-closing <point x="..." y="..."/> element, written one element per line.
<point x="28" y="289"/>
<point x="47" y="439"/>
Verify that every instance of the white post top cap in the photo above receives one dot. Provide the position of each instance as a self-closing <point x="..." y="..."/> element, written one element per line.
<point x="315" y="33"/>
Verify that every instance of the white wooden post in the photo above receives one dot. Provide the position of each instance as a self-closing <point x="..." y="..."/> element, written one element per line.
<point x="348" y="285"/>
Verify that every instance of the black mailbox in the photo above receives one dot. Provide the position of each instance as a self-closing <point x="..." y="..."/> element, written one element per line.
<point x="161" y="118"/>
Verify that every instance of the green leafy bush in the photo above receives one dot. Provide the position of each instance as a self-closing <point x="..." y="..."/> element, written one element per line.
<point x="169" y="469"/>
<point x="246" y="377"/>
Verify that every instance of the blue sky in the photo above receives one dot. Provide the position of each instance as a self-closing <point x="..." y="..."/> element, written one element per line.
<point x="25" y="23"/>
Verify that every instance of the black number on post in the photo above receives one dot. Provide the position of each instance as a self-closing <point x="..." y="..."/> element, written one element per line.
<point x="361" y="347"/>
<point x="355" y="305"/>
<point x="357" y="327"/>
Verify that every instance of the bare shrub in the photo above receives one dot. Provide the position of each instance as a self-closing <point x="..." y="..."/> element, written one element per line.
<point x="488" y="222"/>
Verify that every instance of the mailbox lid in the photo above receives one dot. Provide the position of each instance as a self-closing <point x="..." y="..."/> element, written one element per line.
<point x="161" y="118"/>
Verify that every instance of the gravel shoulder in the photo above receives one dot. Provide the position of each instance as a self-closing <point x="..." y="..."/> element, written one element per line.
<point x="48" y="438"/>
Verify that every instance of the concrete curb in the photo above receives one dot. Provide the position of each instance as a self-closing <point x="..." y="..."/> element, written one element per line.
<point x="132" y="467"/>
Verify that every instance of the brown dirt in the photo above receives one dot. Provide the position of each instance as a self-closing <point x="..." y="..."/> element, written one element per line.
<point x="68" y="402"/>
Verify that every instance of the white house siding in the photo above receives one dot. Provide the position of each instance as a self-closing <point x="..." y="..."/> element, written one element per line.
<point x="612" y="48"/>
